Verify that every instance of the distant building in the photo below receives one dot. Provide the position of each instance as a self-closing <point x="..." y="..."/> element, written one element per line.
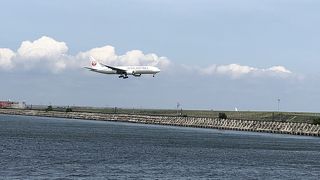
<point x="5" y="104"/>
<point x="10" y="104"/>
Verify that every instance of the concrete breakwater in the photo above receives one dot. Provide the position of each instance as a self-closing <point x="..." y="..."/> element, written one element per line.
<point x="214" y="123"/>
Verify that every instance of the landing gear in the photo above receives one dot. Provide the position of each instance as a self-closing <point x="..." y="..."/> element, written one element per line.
<point x="124" y="76"/>
<point x="153" y="75"/>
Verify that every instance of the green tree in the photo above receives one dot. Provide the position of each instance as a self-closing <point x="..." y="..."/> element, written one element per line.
<point x="316" y="121"/>
<point x="49" y="108"/>
<point x="68" y="109"/>
<point x="222" y="116"/>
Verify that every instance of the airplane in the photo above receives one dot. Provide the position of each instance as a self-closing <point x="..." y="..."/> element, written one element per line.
<point x="123" y="71"/>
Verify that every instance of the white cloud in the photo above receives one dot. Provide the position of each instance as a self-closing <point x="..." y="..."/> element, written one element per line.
<point x="238" y="71"/>
<point x="44" y="52"/>
<point x="279" y="69"/>
<point x="45" y="47"/>
<point x="53" y="55"/>
<point x="136" y="57"/>
<point x="6" y="56"/>
<point x="107" y="55"/>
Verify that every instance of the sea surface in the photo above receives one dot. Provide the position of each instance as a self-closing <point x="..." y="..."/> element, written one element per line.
<point x="51" y="148"/>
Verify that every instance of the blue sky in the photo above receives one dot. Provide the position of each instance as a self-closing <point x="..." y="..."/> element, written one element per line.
<point x="213" y="54"/>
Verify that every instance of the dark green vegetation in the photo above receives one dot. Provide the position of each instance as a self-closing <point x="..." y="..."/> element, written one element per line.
<point x="49" y="108"/>
<point x="222" y="116"/>
<point x="312" y="118"/>
<point x="68" y="109"/>
<point x="316" y="121"/>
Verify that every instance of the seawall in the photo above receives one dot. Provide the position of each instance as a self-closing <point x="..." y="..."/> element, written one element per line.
<point x="214" y="123"/>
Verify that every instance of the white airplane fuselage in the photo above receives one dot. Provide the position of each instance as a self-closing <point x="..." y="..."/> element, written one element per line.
<point x="122" y="71"/>
<point x="130" y="70"/>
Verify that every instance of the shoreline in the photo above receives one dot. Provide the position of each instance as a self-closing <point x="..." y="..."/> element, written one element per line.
<point x="303" y="129"/>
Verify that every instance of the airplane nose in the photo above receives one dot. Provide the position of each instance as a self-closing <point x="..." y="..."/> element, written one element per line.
<point x="158" y="70"/>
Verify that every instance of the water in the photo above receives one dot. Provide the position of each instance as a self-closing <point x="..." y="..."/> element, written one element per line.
<point x="50" y="148"/>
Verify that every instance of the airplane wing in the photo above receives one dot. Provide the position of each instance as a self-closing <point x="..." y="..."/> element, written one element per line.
<point x="119" y="71"/>
<point x="91" y="69"/>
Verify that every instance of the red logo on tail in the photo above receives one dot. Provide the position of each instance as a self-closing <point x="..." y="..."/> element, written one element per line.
<point x="93" y="63"/>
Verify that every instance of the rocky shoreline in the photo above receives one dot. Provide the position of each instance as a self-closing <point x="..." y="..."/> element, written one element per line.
<point x="214" y="123"/>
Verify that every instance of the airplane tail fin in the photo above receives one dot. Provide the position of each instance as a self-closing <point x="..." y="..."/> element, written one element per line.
<point x="94" y="63"/>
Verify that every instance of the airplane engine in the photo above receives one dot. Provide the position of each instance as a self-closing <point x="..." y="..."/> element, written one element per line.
<point x="136" y="75"/>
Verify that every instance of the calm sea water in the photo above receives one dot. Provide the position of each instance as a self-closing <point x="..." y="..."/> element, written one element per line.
<point x="50" y="148"/>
